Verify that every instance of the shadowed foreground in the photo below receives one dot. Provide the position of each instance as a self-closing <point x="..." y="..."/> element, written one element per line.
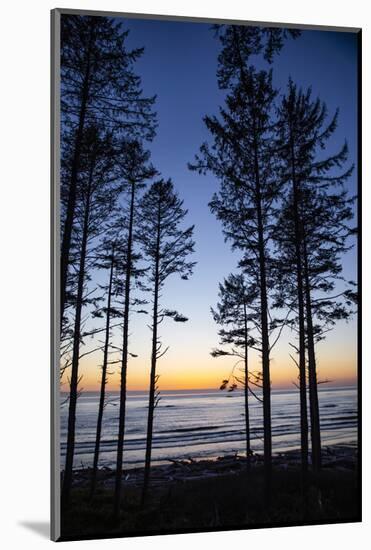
<point x="207" y="495"/>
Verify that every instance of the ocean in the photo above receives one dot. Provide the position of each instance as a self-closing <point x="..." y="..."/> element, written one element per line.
<point x="203" y="424"/>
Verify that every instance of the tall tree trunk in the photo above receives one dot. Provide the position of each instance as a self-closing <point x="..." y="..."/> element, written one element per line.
<point x="67" y="478"/>
<point x="124" y="360"/>
<point x="263" y="311"/>
<point x="246" y="391"/>
<point x="152" y="388"/>
<point x="264" y="334"/>
<point x="300" y="298"/>
<point x="312" y="372"/>
<point x="103" y="382"/>
<point x="71" y="202"/>
<point x="266" y="372"/>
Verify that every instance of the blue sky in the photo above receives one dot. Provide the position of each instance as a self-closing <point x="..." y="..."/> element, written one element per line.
<point x="179" y="66"/>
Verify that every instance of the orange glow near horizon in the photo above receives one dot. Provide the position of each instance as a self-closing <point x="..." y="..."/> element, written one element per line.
<point x="189" y="365"/>
<point x="208" y="373"/>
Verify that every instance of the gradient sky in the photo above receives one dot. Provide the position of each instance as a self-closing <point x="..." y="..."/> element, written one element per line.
<point x="179" y="66"/>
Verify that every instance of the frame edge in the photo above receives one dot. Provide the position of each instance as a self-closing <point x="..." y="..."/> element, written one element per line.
<point x="54" y="268"/>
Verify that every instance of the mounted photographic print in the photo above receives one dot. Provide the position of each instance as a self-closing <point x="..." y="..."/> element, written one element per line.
<point x="205" y="356"/>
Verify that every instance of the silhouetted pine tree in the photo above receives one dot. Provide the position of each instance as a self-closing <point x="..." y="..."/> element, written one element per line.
<point x="290" y="132"/>
<point x="96" y="196"/>
<point x="316" y="211"/>
<point x="166" y="246"/>
<point x="233" y="312"/>
<point x="97" y="84"/>
<point x="242" y="156"/>
<point x="110" y="258"/>
<point x="240" y="42"/>
<point x="133" y="170"/>
<point x="328" y="297"/>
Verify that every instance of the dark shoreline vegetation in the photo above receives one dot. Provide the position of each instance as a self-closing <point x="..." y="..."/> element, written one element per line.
<point x="211" y="494"/>
<point x="285" y="208"/>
